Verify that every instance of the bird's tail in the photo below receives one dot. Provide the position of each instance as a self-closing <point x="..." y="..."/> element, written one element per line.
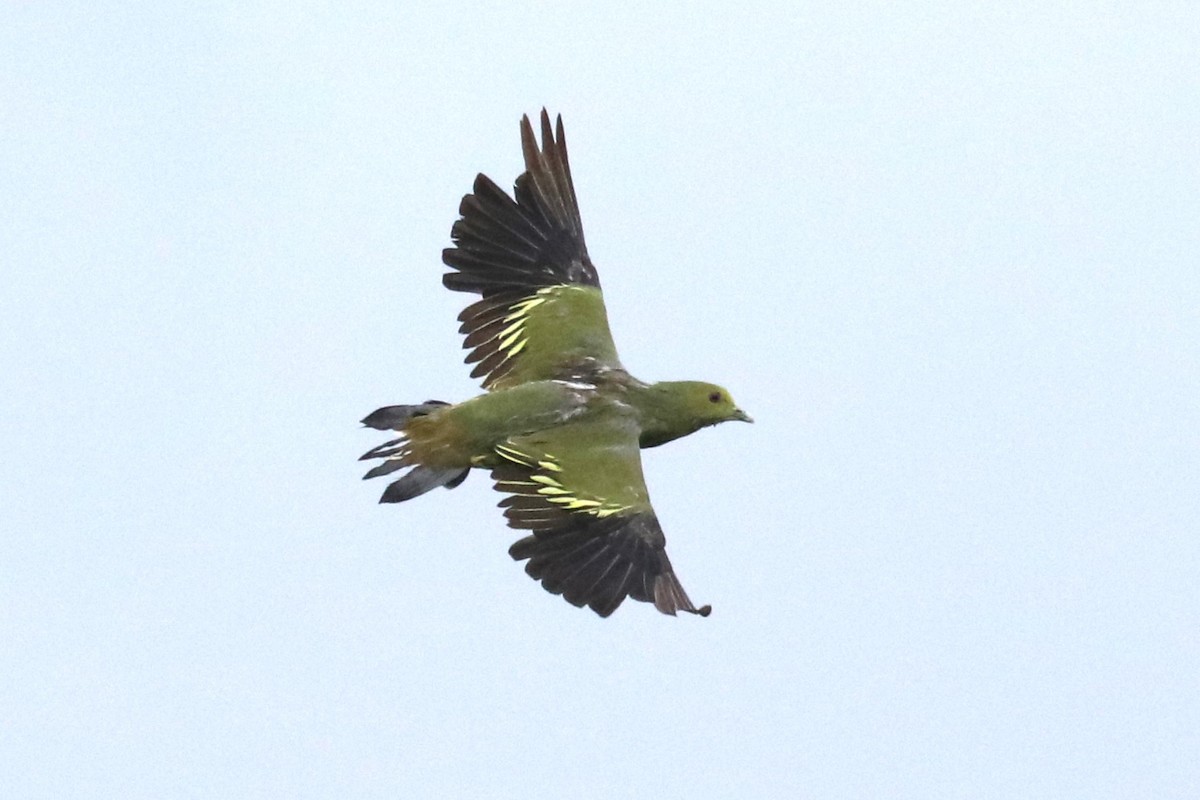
<point x="397" y="454"/>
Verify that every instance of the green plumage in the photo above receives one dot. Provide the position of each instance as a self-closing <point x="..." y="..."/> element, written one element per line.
<point x="562" y="423"/>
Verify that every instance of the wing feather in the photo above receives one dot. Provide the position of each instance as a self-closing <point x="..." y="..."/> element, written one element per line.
<point x="594" y="538"/>
<point x="526" y="256"/>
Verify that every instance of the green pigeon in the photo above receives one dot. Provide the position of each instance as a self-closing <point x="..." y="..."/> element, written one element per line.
<point x="561" y="422"/>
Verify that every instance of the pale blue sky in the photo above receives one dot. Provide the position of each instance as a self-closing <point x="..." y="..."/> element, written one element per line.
<point x="945" y="253"/>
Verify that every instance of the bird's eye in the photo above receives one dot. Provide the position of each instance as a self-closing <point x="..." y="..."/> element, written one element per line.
<point x="715" y="397"/>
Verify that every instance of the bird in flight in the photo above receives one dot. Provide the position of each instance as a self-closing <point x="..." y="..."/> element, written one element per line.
<point x="561" y="422"/>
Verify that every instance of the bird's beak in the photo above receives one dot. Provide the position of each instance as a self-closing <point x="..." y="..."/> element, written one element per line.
<point x="741" y="415"/>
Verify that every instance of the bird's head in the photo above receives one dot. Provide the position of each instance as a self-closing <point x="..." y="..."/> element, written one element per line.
<point x="677" y="408"/>
<point x="710" y="404"/>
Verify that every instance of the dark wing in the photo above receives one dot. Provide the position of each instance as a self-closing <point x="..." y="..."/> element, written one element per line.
<point x="542" y="314"/>
<point x="594" y="538"/>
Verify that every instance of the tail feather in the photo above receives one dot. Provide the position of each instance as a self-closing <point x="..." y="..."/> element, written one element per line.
<point x="419" y="481"/>
<point x="386" y="468"/>
<point x="454" y="482"/>
<point x="392" y="418"/>
<point x="397" y="454"/>
<point x="390" y="449"/>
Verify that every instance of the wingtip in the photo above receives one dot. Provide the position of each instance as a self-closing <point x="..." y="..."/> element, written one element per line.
<point x="551" y="134"/>
<point x="529" y="146"/>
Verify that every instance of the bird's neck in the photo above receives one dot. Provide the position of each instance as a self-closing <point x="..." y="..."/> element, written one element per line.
<point x="663" y="413"/>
